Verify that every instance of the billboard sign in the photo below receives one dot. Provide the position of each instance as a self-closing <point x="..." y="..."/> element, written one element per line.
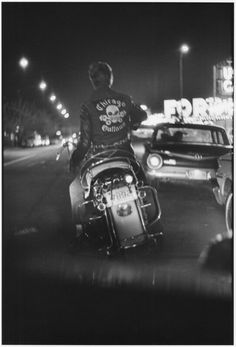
<point x="224" y="79"/>
<point x="199" y="109"/>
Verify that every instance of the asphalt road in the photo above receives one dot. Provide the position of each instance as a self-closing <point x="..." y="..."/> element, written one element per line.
<point x="52" y="296"/>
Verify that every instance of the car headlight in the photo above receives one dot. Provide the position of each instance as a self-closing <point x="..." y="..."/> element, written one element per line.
<point x="154" y="161"/>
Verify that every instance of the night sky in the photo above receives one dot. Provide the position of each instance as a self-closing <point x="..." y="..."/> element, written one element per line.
<point x="139" y="40"/>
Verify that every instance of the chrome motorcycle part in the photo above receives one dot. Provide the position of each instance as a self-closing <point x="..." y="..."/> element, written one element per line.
<point x="124" y="210"/>
<point x="154" y="161"/>
<point x="101" y="206"/>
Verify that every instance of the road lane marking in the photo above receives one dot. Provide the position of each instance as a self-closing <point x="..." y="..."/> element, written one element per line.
<point x="17" y="160"/>
<point x="36" y="163"/>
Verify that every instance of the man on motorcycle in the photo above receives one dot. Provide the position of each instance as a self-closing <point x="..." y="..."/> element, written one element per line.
<point x="105" y="123"/>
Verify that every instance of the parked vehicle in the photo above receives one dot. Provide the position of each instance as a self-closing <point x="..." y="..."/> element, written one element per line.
<point x="223" y="190"/>
<point x="229" y="213"/>
<point x="45" y="141"/>
<point x="34" y="140"/>
<point x="122" y="211"/>
<point x="185" y="151"/>
<point x="224" y="178"/>
<point x="143" y="132"/>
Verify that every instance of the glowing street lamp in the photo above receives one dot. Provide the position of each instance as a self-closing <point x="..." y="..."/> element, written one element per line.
<point x="184" y="49"/>
<point x="23" y="62"/>
<point x="52" y="98"/>
<point x="63" y="112"/>
<point x="59" y="106"/>
<point x="66" y="115"/>
<point x="42" y="85"/>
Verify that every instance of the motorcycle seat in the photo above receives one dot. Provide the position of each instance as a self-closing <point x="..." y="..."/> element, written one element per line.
<point x="97" y="169"/>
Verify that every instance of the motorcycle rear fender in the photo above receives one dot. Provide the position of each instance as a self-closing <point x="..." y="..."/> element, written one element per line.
<point x="129" y="231"/>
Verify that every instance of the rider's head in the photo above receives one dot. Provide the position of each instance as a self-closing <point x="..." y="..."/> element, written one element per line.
<point x="100" y="74"/>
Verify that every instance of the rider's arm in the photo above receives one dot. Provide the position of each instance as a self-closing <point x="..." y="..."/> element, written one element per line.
<point x="85" y="137"/>
<point x="85" y="129"/>
<point x="137" y="115"/>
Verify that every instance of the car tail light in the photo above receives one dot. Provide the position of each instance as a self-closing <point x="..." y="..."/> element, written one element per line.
<point x="154" y="161"/>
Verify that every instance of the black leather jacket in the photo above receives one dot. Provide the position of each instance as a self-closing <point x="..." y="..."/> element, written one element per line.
<point x="105" y="122"/>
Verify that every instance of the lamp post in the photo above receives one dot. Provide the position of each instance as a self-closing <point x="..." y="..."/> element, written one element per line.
<point x="183" y="50"/>
<point x="53" y="97"/>
<point x="42" y="85"/>
<point x="23" y="62"/>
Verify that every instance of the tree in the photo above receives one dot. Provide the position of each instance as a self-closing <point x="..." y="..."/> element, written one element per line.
<point x="23" y="118"/>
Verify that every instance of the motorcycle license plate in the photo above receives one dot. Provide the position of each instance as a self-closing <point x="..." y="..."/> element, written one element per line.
<point x="120" y="195"/>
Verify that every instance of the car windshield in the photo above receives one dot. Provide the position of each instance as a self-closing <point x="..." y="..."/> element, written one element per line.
<point x="189" y="135"/>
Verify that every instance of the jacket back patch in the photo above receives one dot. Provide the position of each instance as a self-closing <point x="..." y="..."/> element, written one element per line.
<point x="111" y="114"/>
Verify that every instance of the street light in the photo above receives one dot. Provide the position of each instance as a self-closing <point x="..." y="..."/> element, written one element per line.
<point x="63" y="112"/>
<point x="42" y="85"/>
<point x="52" y="98"/>
<point x="66" y="115"/>
<point x="23" y="62"/>
<point x="183" y="50"/>
<point x="59" y="106"/>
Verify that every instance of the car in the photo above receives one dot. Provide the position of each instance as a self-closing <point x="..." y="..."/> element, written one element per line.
<point x="223" y="190"/>
<point x="45" y="140"/>
<point x="143" y="132"/>
<point x="34" y="140"/>
<point x="185" y="151"/>
<point x="224" y="176"/>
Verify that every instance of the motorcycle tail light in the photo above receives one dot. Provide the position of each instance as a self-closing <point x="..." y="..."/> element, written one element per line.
<point x="154" y="161"/>
<point x="128" y="179"/>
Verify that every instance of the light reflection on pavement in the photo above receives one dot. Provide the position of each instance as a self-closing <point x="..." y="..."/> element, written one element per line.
<point x="146" y="272"/>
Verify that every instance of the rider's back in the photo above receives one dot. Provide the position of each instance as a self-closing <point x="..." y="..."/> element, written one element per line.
<point x="110" y="114"/>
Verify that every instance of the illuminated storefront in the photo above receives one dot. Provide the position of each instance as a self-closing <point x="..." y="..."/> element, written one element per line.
<point x="223" y="76"/>
<point x="218" y="109"/>
<point x="211" y="110"/>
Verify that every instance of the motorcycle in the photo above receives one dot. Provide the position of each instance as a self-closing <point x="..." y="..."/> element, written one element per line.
<point x="120" y="209"/>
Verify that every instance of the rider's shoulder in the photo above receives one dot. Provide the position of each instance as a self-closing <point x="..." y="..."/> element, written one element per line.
<point x="122" y="96"/>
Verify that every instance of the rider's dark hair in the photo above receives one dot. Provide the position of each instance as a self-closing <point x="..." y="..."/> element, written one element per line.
<point x="100" y="73"/>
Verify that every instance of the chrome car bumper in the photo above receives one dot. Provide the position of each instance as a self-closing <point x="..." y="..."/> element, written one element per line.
<point x="184" y="173"/>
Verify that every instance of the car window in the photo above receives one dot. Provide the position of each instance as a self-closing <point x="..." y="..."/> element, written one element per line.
<point x="188" y="135"/>
<point x="145" y="133"/>
<point x="220" y="138"/>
